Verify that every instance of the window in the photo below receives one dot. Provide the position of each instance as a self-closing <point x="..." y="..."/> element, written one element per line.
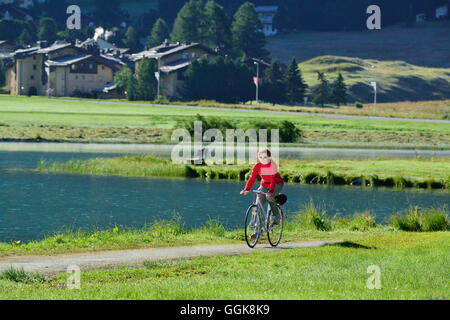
<point x="34" y="67"/>
<point x="74" y="67"/>
<point x="31" y="77"/>
<point x="91" y="66"/>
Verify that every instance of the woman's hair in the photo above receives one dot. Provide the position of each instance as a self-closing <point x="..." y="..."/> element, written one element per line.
<point x="264" y="150"/>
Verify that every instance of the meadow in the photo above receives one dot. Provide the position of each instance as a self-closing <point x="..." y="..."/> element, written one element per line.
<point x="39" y="118"/>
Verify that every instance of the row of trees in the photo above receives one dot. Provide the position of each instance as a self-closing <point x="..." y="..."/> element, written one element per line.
<point x="229" y="80"/>
<point x="26" y="32"/>
<point x="279" y="87"/>
<point x="210" y="25"/>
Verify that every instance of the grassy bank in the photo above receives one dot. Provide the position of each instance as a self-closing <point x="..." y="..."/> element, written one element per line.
<point x="311" y="222"/>
<point x="413" y="265"/>
<point x="397" y="80"/>
<point x="25" y="118"/>
<point x="418" y="173"/>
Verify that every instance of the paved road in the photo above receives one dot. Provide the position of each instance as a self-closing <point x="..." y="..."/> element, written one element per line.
<point x="106" y="259"/>
<point x="324" y="115"/>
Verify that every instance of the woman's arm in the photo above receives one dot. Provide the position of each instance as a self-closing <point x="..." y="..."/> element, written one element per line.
<point x="253" y="176"/>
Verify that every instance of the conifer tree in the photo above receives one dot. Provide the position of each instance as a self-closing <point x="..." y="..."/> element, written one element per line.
<point x="159" y="33"/>
<point x="295" y="86"/>
<point x="339" y="91"/>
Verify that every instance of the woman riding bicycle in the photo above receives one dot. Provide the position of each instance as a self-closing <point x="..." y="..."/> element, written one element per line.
<point x="271" y="182"/>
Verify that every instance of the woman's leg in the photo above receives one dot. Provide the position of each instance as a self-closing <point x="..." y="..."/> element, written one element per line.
<point x="262" y="197"/>
<point x="273" y="202"/>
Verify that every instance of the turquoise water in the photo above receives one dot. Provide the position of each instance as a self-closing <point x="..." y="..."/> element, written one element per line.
<point x="33" y="205"/>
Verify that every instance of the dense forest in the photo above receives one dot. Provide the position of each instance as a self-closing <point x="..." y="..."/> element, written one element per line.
<point x="323" y="14"/>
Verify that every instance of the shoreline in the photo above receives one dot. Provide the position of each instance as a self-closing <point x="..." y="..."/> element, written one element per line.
<point x="57" y="146"/>
<point x="307" y="224"/>
<point x="402" y="173"/>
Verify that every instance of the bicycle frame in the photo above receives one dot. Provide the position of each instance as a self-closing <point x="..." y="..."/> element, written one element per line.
<point x="264" y="214"/>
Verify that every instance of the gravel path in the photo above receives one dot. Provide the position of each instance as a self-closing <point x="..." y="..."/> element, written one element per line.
<point x="107" y="259"/>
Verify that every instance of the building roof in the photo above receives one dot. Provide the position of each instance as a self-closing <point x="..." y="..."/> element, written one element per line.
<point x="266" y="9"/>
<point x="29" y="51"/>
<point x="167" y="49"/>
<point x="69" y="60"/>
<point x="175" y="66"/>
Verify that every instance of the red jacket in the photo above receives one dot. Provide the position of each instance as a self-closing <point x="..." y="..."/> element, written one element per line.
<point x="269" y="176"/>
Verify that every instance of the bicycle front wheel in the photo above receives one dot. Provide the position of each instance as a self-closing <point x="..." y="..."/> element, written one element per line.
<point x="252" y="226"/>
<point x="275" y="230"/>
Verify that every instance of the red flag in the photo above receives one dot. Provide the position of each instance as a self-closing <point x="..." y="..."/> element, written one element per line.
<point x="255" y="80"/>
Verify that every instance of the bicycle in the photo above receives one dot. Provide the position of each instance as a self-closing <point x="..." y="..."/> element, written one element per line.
<point x="258" y="221"/>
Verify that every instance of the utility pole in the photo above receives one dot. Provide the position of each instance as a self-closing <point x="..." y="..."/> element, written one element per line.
<point x="374" y="85"/>
<point x="257" y="82"/>
<point x="159" y="74"/>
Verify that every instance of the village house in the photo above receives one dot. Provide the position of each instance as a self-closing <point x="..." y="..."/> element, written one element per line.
<point x="442" y="12"/>
<point x="6" y="46"/>
<point x="62" y="69"/>
<point x="173" y="60"/>
<point x="266" y="15"/>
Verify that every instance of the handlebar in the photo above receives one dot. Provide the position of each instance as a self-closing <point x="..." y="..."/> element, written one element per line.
<point x="256" y="191"/>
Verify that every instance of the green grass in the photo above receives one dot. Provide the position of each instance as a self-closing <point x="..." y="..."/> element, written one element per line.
<point x="412" y="266"/>
<point x="400" y="173"/>
<point x="69" y="120"/>
<point x="309" y="223"/>
<point x="421" y="220"/>
<point x="425" y="45"/>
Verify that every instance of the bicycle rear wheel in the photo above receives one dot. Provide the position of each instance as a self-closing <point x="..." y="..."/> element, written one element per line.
<point x="252" y="226"/>
<point x="274" y="232"/>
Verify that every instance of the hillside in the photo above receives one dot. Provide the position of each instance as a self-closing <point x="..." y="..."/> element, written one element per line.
<point x="397" y="80"/>
<point x="426" y="45"/>
<point x="133" y="7"/>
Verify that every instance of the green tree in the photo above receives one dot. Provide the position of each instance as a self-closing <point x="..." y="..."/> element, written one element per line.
<point x="146" y="85"/>
<point x="168" y="9"/>
<point x="339" y="91"/>
<point x="159" y="33"/>
<point x="322" y="95"/>
<point x="273" y="88"/>
<point x="218" y="32"/>
<point x="47" y="30"/>
<point x="123" y="78"/>
<point x="25" y="37"/>
<point x="295" y="86"/>
<point x="2" y="79"/>
<point x="221" y="79"/>
<point x="131" y="39"/>
<point x="108" y="13"/>
<point x="10" y="29"/>
<point x="247" y="35"/>
<point x="190" y="24"/>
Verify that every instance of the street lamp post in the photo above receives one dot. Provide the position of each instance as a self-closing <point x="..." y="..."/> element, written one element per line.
<point x="257" y="82"/>
<point x="374" y="85"/>
<point x="159" y="75"/>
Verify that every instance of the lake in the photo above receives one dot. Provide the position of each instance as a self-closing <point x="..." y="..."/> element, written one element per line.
<point x="33" y="204"/>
